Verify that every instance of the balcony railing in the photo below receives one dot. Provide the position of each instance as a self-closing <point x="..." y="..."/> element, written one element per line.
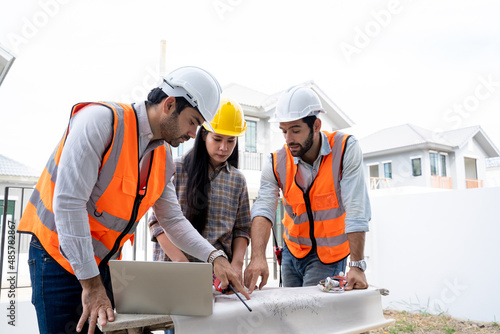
<point x="473" y="183"/>
<point x="443" y="182"/>
<point x="379" y="182"/>
<point x="250" y="160"/>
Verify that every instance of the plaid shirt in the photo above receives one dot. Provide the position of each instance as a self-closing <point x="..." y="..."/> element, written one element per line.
<point x="228" y="210"/>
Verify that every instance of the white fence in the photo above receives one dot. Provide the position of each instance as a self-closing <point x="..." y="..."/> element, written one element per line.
<point x="438" y="251"/>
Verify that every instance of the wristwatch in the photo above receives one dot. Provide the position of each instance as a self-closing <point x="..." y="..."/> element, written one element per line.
<point x="358" y="264"/>
<point x="215" y="255"/>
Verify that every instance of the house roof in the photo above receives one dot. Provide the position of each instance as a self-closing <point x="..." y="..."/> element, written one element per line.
<point x="9" y="167"/>
<point x="262" y="105"/>
<point x="408" y="136"/>
<point x="245" y="96"/>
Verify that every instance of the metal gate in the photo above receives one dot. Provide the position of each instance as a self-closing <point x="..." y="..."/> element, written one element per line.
<point x="14" y="269"/>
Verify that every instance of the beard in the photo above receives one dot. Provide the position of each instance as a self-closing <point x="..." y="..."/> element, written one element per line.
<point x="170" y="131"/>
<point x="304" y="147"/>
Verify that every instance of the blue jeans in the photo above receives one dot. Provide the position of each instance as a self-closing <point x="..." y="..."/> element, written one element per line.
<point x="57" y="294"/>
<point x="307" y="271"/>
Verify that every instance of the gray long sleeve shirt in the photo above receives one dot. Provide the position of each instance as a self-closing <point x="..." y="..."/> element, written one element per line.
<point x="90" y="133"/>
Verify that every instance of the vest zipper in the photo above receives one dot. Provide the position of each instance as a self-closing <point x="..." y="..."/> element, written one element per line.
<point x="131" y="222"/>
<point x="135" y="211"/>
<point x="137" y="201"/>
<point x="307" y="201"/>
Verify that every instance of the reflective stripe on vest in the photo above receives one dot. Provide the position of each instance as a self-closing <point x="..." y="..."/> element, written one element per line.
<point x="325" y="215"/>
<point x="115" y="206"/>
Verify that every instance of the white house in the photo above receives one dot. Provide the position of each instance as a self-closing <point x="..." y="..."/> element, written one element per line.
<point x="15" y="176"/>
<point x="410" y="156"/>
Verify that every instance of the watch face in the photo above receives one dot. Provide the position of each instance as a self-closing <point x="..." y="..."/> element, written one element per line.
<point x="363" y="265"/>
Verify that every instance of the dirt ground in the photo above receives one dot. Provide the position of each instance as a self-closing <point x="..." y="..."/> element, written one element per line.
<point x="427" y="323"/>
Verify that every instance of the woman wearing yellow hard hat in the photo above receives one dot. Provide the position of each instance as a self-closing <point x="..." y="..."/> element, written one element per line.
<point x="212" y="191"/>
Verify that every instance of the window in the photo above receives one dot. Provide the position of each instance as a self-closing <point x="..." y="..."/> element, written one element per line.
<point x="10" y="208"/>
<point x="388" y="170"/>
<point x="471" y="176"/>
<point x="434" y="163"/>
<point x="373" y="169"/>
<point x="470" y="168"/>
<point x="443" y="165"/>
<point x="251" y="137"/>
<point x="6" y="60"/>
<point x="416" y="166"/>
<point x="438" y="163"/>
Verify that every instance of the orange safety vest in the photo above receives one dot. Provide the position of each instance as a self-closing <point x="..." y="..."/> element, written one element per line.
<point x="314" y="218"/>
<point x="116" y="203"/>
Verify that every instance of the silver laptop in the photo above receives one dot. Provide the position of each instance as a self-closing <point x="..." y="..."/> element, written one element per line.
<point x="179" y="288"/>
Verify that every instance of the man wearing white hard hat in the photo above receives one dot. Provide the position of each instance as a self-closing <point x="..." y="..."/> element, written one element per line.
<point x="113" y="164"/>
<point x="326" y="202"/>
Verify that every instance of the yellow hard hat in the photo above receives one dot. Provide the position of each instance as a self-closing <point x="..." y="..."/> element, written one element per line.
<point x="229" y="119"/>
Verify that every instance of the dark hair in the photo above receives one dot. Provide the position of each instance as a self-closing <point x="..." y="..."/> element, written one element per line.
<point x="156" y="95"/>
<point x="309" y="120"/>
<point x="197" y="164"/>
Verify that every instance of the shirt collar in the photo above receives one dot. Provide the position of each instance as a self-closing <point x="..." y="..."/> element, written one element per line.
<point x="225" y="166"/>
<point x="324" y="150"/>
<point x="142" y="117"/>
<point x="145" y="132"/>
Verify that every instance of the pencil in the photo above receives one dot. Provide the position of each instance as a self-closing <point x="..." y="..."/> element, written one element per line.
<point x="232" y="289"/>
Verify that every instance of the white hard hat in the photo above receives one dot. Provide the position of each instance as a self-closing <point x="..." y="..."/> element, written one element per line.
<point x="197" y="86"/>
<point x="295" y="103"/>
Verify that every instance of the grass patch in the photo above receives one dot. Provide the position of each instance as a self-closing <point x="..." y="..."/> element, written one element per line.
<point x="423" y="322"/>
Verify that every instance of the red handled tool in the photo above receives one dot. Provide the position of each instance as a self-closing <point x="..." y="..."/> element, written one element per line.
<point x="277" y="252"/>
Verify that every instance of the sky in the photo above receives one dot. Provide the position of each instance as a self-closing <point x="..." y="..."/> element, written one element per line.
<point x="434" y="64"/>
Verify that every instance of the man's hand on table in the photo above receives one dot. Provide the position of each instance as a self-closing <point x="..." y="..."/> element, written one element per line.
<point x="356" y="279"/>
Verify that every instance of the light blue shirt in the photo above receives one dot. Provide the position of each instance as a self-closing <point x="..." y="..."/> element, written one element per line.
<point x="353" y="190"/>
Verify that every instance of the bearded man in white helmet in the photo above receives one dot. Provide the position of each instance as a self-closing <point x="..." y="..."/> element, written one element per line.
<point x="326" y="202"/>
<point x="113" y="164"/>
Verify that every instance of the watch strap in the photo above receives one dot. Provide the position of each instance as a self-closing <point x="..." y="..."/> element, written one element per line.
<point x="215" y="255"/>
<point x="361" y="264"/>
